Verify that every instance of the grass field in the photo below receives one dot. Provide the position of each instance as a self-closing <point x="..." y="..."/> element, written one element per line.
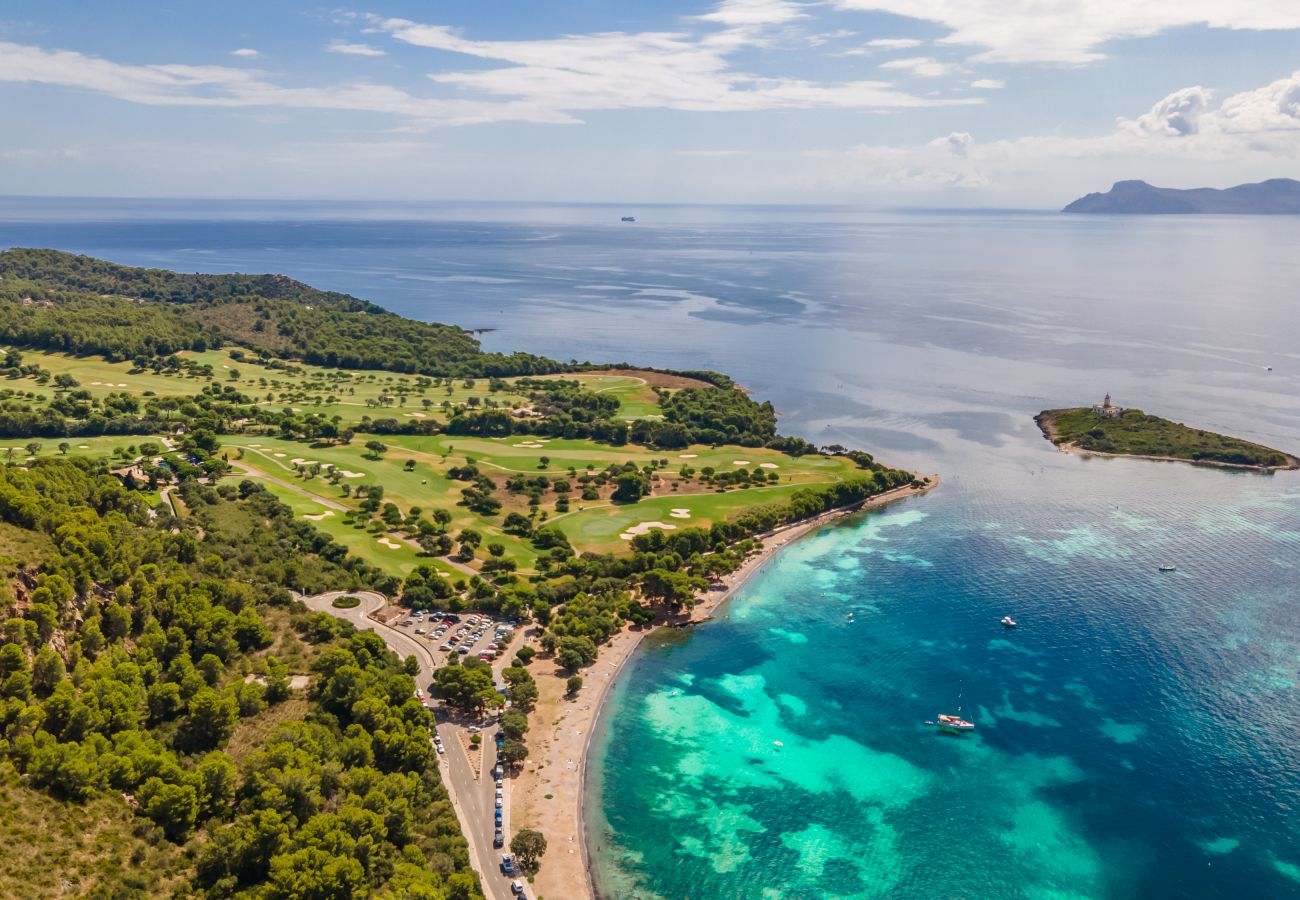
<point x="351" y="395"/>
<point x="591" y="526"/>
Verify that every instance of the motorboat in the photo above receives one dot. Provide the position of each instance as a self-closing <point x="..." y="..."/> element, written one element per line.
<point x="1008" y="622"/>
<point x="1168" y="567"/>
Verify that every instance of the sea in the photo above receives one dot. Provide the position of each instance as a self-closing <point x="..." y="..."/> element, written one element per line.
<point x="1138" y="735"/>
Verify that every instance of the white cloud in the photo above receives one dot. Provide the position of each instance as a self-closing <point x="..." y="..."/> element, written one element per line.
<point x="245" y="53"/>
<point x="920" y="66"/>
<point x="894" y="43"/>
<point x="618" y="70"/>
<point x="712" y="154"/>
<point x="354" y="49"/>
<point x="1175" y="115"/>
<point x="988" y="84"/>
<point x="1182" y="138"/>
<point x="1073" y="31"/>
<point x="754" y="12"/>
<point x="222" y="86"/>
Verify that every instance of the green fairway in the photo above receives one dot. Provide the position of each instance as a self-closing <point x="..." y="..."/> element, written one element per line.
<point x="16" y="449"/>
<point x="591" y="526"/>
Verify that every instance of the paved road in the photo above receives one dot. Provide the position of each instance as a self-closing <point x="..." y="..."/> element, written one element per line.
<point x="473" y="799"/>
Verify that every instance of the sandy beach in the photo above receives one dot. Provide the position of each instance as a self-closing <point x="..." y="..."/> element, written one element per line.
<point x="548" y="793"/>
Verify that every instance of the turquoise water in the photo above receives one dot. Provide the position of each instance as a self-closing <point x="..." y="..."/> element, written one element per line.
<point x="1137" y="734"/>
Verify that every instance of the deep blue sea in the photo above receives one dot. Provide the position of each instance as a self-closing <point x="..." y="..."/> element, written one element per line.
<point x="1138" y="734"/>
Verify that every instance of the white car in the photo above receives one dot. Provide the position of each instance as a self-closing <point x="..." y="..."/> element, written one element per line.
<point x="517" y="888"/>
<point x="499" y="803"/>
<point x="499" y="794"/>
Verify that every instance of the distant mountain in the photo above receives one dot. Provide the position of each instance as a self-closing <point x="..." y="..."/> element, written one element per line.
<point x="1275" y="197"/>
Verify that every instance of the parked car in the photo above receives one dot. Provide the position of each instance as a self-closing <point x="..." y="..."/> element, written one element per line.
<point x="473" y="729"/>
<point x="517" y="888"/>
<point x="498" y="771"/>
<point x="499" y="839"/>
<point x="500" y="784"/>
<point x="445" y="648"/>
<point x="508" y="864"/>
<point x="499" y="802"/>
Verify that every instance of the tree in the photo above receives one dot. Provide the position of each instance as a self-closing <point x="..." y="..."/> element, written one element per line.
<point x="376" y="449"/>
<point x="211" y="720"/>
<point x="47" y="670"/>
<point x="524" y="696"/>
<point x="64" y="447"/>
<point x="575" y="652"/>
<point x="513" y="752"/>
<point x="173" y="807"/>
<point x="514" y="723"/>
<point x="629" y="487"/>
<point x="528" y="846"/>
<point x="573" y="685"/>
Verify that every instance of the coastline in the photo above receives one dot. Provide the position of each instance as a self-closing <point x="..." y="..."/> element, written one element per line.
<point x="1046" y="421"/>
<point x="558" y="766"/>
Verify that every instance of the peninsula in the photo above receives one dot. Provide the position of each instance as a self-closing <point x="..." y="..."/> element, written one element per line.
<point x="1105" y="429"/>
<point x="1275" y="197"/>
<point x="215" y="487"/>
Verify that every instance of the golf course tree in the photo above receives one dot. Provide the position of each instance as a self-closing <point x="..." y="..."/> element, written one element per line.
<point x="528" y="846"/>
<point x="376" y="449"/>
<point x="629" y="487"/>
<point x="122" y="671"/>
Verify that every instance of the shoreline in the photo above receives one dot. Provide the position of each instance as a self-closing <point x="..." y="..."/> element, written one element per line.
<point x="1046" y="421"/>
<point x="566" y="743"/>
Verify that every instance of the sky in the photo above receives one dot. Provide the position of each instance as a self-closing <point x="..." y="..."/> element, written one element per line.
<point x="950" y="103"/>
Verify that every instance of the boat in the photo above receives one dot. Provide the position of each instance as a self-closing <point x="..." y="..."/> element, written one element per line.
<point x="954" y="724"/>
<point x="628" y="219"/>
<point x="1168" y="567"/>
<point x="1008" y="622"/>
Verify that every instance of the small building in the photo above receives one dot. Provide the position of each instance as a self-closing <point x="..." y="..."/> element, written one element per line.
<point x="1108" y="410"/>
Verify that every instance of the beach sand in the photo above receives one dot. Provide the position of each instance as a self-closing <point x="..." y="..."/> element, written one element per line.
<point x="560" y="728"/>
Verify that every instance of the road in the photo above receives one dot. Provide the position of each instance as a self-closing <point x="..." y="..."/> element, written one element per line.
<point x="472" y="798"/>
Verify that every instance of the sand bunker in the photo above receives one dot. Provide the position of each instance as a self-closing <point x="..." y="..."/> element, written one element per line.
<point x="346" y="474"/>
<point x="687" y="455"/>
<point x="680" y="514"/>
<point x="531" y="445"/>
<point x="645" y="528"/>
<point x="319" y="516"/>
<point x="389" y="543"/>
<point x="281" y="455"/>
<point x="121" y="384"/>
<point x="768" y="466"/>
<point x="299" y="461"/>
<point x="415" y="415"/>
<point x="740" y="462"/>
<point x="97" y="382"/>
<point x="83" y="446"/>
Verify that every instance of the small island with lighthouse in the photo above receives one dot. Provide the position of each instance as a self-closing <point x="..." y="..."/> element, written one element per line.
<point x="1106" y="429"/>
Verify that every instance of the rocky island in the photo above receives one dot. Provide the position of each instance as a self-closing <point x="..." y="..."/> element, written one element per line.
<point x="1105" y="429"/>
<point x="1277" y="196"/>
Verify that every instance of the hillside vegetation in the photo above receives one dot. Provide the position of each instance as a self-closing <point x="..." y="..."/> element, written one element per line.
<point x="60" y="301"/>
<point x="130" y="654"/>
<point x="1136" y="433"/>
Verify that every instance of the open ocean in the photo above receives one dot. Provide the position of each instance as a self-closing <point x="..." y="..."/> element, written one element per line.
<point x="1139" y="733"/>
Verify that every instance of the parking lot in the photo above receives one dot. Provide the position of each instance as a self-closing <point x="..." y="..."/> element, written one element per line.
<point x="462" y="634"/>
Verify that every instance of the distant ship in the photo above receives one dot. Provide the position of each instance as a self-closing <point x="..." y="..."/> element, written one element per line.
<point x="628" y="219"/>
<point x="1168" y="567"/>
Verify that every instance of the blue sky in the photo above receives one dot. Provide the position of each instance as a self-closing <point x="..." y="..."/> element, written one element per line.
<point x="922" y="102"/>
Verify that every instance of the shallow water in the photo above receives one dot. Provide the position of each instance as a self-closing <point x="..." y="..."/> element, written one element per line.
<point x="1137" y="732"/>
